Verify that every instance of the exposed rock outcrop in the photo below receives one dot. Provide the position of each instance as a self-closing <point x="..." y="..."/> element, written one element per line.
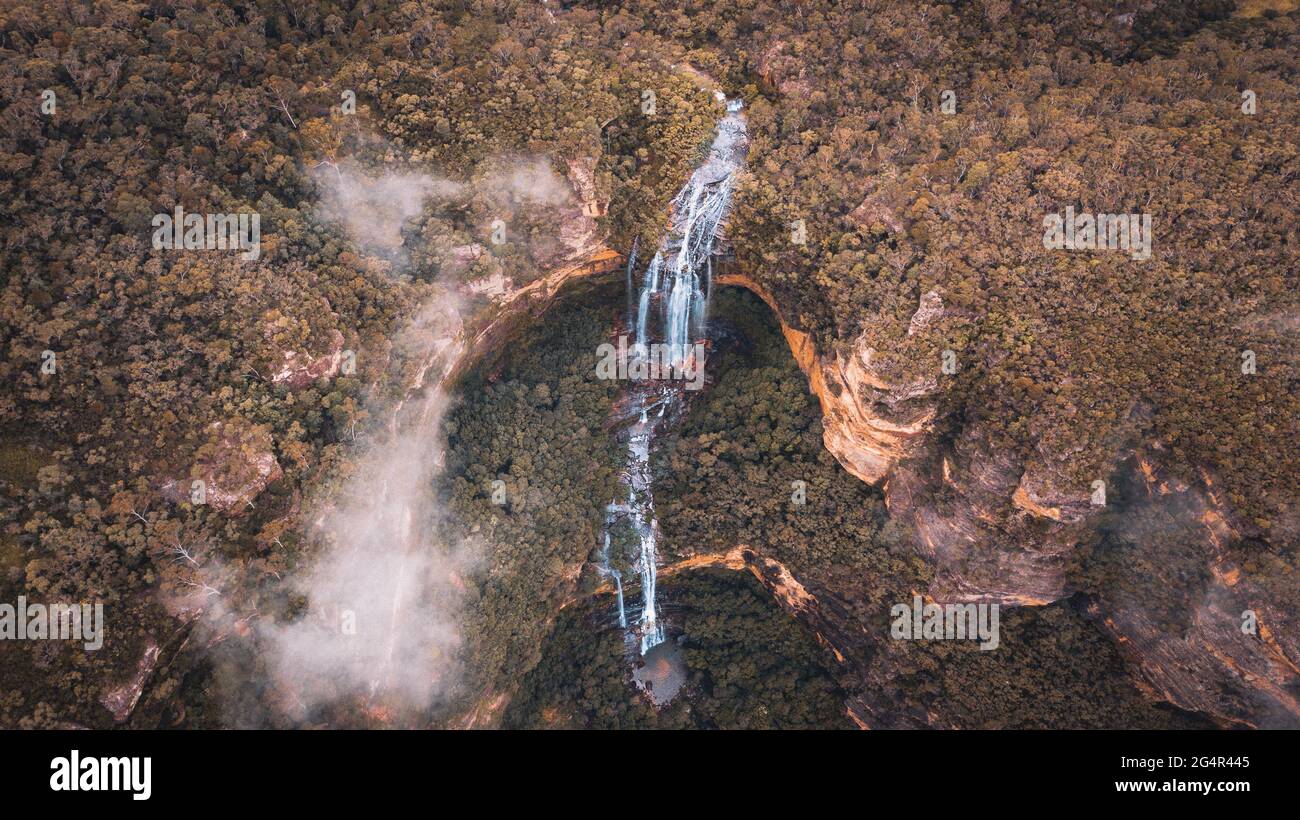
<point x="460" y="258"/>
<point x="494" y="286"/>
<point x="880" y="431"/>
<point x="582" y="177"/>
<point x="121" y="700"/>
<point x="231" y="470"/>
<point x="992" y="531"/>
<point x="828" y="613"/>
<point x="869" y="423"/>
<point x="300" y="370"/>
<point x="782" y="72"/>
<point x="1230" y="650"/>
<point x="574" y="211"/>
<point x="517" y="306"/>
<point x="999" y="527"/>
<point x="875" y="212"/>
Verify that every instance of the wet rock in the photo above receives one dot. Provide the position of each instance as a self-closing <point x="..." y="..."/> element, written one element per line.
<point x="121" y="700"/>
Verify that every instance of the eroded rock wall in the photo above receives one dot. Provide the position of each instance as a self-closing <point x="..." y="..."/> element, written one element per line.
<point x="1000" y="528"/>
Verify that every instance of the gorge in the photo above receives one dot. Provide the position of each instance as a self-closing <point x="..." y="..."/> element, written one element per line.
<point x="379" y="473"/>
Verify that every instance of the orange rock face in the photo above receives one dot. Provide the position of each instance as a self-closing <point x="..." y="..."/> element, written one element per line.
<point x="867" y="442"/>
<point x="1010" y="526"/>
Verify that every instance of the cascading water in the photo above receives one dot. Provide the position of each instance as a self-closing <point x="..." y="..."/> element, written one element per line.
<point x="675" y="290"/>
<point x="618" y="583"/>
<point x="698" y="211"/>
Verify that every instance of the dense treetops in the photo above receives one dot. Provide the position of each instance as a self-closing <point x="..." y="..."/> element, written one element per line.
<point x="1060" y="352"/>
<point x="535" y="422"/>
<point x="749" y="666"/>
<point x="724" y="480"/>
<point x="162" y="357"/>
<point x="237" y="108"/>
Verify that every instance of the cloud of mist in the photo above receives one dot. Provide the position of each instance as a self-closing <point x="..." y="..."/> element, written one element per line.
<point x="374" y="209"/>
<point x="528" y="180"/>
<point x="384" y="595"/>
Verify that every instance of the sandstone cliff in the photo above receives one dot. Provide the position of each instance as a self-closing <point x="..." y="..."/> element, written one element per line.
<point x="999" y="528"/>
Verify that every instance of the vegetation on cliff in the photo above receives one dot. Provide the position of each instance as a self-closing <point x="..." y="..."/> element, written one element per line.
<point x="1111" y="107"/>
<point x="749" y="666"/>
<point x="162" y="357"/>
<point x="725" y="480"/>
<point x="131" y="372"/>
<point x="535" y="422"/>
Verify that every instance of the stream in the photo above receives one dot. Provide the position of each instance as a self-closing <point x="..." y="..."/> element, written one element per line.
<point x="669" y="317"/>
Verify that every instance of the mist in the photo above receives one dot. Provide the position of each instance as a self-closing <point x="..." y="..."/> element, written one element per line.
<point x="373" y="209"/>
<point x="529" y="180"/>
<point x="384" y="593"/>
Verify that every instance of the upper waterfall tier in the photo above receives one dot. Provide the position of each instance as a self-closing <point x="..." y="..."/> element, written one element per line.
<point x="673" y="277"/>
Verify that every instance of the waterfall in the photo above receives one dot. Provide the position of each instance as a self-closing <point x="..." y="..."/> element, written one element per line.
<point x="609" y="571"/>
<point x="631" y="265"/>
<point x="698" y="212"/>
<point x="675" y="289"/>
<point x="652" y="632"/>
<point x="649" y="287"/>
<point x="618" y="586"/>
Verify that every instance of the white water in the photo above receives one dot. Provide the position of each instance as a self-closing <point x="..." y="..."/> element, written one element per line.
<point x="606" y="569"/>
<point x="679" y="281"/>
<point x="698" y="212"/>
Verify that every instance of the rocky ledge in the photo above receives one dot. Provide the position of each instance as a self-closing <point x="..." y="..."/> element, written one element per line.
<point x="1000" y="528"/>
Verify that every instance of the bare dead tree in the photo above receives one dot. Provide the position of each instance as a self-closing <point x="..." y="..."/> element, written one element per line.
<point x="208" y="589"/>
<point x="181" y="553"/>
<point x="284" y="107"/>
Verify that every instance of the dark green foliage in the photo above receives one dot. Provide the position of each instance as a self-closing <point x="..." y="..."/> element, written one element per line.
<point x="750" y="666"/>
<point x="1053" y="669"/>
<point x="223" y="108"/>
<point x="230" y="107"/>
<point x="726" y="478"/>
<point x="727" y="482"/>
<point x="1147" y="553"/>
<point x="583" y="680"/>
<point x="1053" y="109"/>
<point x="534" y="422"/>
